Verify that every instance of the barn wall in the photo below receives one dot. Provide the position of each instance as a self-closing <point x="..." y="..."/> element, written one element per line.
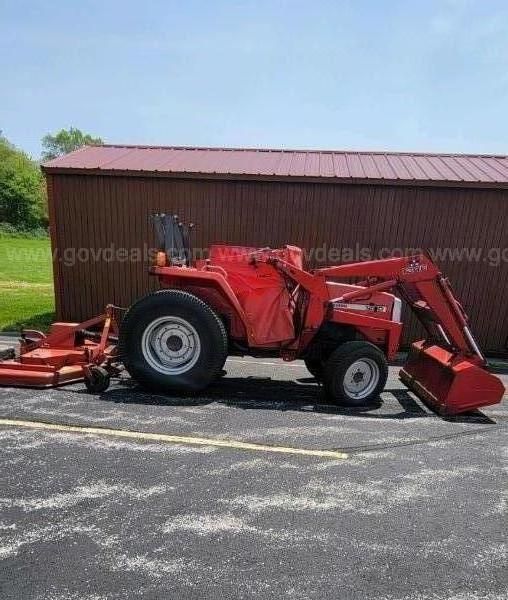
<point x="92" y="212"/>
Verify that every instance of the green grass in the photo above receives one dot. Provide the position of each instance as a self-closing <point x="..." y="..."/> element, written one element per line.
<point x="26" y="283"/>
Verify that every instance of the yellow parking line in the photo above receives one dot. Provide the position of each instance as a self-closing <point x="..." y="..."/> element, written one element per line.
<point x="172" y="439"/>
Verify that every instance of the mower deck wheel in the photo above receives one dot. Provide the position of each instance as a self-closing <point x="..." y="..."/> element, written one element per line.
<point x="98" y="381"/>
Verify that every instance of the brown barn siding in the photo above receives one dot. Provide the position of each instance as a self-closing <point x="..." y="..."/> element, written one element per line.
<point x="92" y="211"/>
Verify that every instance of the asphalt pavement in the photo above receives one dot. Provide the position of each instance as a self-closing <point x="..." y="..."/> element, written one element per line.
<point x="417" y="510"/>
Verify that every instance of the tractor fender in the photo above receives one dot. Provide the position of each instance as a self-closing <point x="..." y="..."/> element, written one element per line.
<point x="213" y="288"/>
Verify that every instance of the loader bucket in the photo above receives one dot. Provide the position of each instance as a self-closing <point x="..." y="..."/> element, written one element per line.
<point x="450" y="383"/>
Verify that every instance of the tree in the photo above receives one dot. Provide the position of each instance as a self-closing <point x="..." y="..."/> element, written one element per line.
<point x="66" y="140"/>
<point x="22" y="190"/>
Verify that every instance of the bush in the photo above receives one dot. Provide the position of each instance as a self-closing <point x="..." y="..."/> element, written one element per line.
<point x="9" y="230"/>
<point x="22" y="190"/>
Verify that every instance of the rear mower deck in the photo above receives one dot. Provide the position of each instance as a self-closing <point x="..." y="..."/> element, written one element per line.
<point x="66" y="355"/>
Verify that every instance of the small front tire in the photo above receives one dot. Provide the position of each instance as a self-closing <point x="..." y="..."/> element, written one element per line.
<point x="355" y="374"/>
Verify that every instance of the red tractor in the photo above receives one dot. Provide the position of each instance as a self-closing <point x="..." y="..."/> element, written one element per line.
<point x="262" y="303"/>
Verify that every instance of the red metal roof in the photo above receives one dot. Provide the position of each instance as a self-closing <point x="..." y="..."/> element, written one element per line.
<point x="400" y="167"/>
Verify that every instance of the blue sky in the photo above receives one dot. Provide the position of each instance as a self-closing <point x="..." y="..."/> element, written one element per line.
<point x="365" y="74"/>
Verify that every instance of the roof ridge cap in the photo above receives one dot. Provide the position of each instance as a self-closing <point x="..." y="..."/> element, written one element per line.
<point x="295" y="150"/>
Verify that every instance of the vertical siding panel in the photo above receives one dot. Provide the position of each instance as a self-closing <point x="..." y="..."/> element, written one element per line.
<point x="55" y="237"/>
<point x="79" y="237"/>
<point x="92" y="240"/>
<point x="60" y="219"/>
<point x="489" y="235"/>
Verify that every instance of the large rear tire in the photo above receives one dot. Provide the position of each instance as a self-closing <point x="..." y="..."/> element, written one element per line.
<point x="355" y="374"/>
<point x="172" y="341"/>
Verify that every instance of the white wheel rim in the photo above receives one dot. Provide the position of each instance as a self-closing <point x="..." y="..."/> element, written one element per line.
<point x="361" y="378"/>
<point x="171" y="345"/>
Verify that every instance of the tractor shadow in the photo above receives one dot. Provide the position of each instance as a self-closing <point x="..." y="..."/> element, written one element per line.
<point x="301" y="395"/>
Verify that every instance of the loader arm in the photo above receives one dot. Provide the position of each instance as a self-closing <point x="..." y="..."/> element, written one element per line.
<point x="429" y="295"/>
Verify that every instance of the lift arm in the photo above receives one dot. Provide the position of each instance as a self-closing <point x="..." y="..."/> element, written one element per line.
<point x="420" y="283"/>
